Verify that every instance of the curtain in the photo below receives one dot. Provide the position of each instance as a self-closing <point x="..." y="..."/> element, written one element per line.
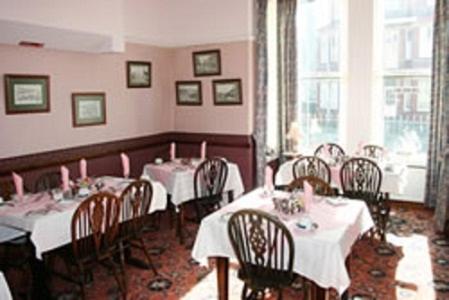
<point x="437" y="178"/>
<point x="260" y="111"/>
<point x="287" y="85"/>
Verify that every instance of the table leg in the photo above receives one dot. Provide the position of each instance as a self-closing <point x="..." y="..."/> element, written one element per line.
<point x="179" y="224"/>
<point x="222" y="277"/>
<point x="40" y="275"/>
<point x="318" y="293"/>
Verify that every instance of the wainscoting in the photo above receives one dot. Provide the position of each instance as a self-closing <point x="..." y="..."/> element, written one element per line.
<point x="104" y="159"/>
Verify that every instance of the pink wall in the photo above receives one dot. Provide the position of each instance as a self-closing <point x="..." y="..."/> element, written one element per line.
<point x="177" y="23"/>
<point x="237" y="61"/>
<point x="130" y="112"/>
<point x="76" y="16"/>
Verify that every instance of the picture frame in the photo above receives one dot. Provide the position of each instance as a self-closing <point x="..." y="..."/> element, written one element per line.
<point x="227" y="92"/>
<point x="189" y="93"/>
<point x="88" y="109"/>
<point x="206" y="63"/>
<point x="27" y="93"/>
<point x="138" y="74"/>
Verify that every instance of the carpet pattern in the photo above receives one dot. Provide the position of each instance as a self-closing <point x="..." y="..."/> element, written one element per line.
<point x="413" y="265"/>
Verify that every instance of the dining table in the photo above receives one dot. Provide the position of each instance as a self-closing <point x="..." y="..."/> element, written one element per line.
<point x="320" y="253"/>
<point x="177" y="176"/>
<point x="394" y="176"/>
<point x="48" y="221"/>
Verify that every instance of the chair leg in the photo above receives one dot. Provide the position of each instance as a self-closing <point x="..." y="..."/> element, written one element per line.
<point x="280" y="294"/>
<point x="82" y="274"/>
<point x="120" y="277"/>
<point x="147" y="255"/>
<point x="244" y="292"/>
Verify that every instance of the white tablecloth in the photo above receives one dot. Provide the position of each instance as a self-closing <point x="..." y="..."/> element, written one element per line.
<point x="393" y="181"/>
<point x="5" y="293"/>
<point x="178" y="180"/>
<point x="319" y="255"/>
<point x="52" y="230"/>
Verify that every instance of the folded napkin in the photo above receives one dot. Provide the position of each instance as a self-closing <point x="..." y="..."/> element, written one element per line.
<point x="83" y="169"/>
<point x="308" y="196"/>
<point x="360" y="147"/>
<point x="172" y="151"/>
<point x="327" y="150"/>
<point x="125" y="164"/>
<point x="203" y="150"/>
<point x="269" y="178"/>
<point x="65" y="179"/>
<point x="18" y="183"/>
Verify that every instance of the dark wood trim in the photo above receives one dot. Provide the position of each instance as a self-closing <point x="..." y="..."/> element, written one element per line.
<point x="65" y="156"/>
<point x="74" y="117"/>
<point x="222" y="140"/>
<point x="128" y="69"/>
<point x="219" y="81"/>
<point x="9" y="110"/>
<point x="408" y="204"/>
<point x="191" y="82"/>
<point x="195" y="71"/>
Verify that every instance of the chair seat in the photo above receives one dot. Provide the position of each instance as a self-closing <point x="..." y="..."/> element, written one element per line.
<point x="266" y="278"/>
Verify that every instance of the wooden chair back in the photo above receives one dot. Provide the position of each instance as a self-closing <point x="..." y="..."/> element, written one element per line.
<point x="210" y="178"/>
<point x="320" y="187"/>
<point x="373" y="151"/>
<point x="136" y="201"/>
<point x="47" y="181"/>
<point x="263" y="245"/>
<point x="311" y="166"/>
<point x="95" y="225"/>
<point x="360" y="178"/>
<point x="336" y="151"/>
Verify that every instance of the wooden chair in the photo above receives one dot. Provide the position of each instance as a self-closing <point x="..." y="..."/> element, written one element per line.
<point x="320" y="187"/>
<point x="209" y="182"/>
<point x="95" y="227"/>
<point x="373" y="151"/>
<point x="265" y="251"/>
<point x="361" y="178"/>
<point x="336" y="151"/>
<point x="136" y="201"/>
<point x="47" y="181"/>
<point x="311" y="166"/>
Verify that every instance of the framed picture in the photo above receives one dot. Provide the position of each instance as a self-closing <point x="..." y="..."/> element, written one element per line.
<point x="138" y="74"/>
<point x="188" y="93"/>
<point x="206" y="63"/>
<point x="27" y="93"/>
<point x="88" y="109"/>
<point x="227" y="92"/>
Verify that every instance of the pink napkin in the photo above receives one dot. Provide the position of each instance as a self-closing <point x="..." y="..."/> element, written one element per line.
<point x="18" y="182"/>
<point x="65" y="179"/>
<point x="269" y="178"/>
<point x="360" y="147"/>
<point x="203" y="150"/>
<point x="125" y="164"/>
<point x="172" y="151"/>
<point x="327" y="150"/>
<point x="308" y="195"/>
<point x="83" y="169"/>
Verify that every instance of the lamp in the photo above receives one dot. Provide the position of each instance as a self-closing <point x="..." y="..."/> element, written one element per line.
<point x="293" y="136"/>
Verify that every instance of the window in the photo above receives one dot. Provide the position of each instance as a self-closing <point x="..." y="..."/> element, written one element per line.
<point x="407" y="36"/>
<point x="319" y="30"/>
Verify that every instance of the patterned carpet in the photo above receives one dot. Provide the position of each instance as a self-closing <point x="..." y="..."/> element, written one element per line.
<point x="414" y="265"/>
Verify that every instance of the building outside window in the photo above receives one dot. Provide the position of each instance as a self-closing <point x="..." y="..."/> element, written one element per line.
<point x="407" y="56"/>
<point x="319" y="30"/>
